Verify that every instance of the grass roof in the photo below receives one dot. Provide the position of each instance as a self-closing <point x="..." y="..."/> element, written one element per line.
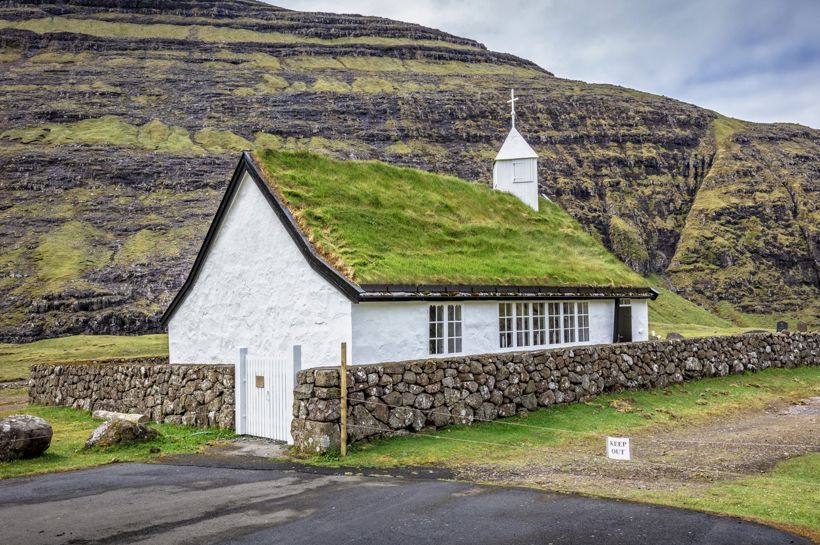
<point x="378" y="223"/>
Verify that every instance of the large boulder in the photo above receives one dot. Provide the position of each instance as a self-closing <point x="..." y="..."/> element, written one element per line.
<point x="120" y="432"/>
<point x="23" y="436"/>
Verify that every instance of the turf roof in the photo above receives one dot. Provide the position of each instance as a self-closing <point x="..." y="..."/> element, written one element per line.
<point x="380" y="224"/>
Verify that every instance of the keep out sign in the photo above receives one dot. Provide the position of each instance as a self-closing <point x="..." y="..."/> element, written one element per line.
<point x="617" y="448"/>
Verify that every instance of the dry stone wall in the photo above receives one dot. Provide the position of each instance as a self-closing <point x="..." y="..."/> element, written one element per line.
<point x="404" y="397"/>
<point x="197" y="395"/>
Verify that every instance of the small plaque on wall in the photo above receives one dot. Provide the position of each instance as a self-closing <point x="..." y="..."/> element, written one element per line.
<point x="260" y="381"/>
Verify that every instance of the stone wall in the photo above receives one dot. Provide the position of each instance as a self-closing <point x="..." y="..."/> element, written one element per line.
<point x="398" y="398"/>
<point x="197" y="395"/>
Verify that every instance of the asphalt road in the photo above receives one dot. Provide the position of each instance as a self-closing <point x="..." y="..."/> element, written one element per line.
<point x="167" y="504"/>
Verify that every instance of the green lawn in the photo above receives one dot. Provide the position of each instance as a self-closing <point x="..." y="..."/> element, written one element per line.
<point x="382" y="224"/>
<point x="72" y="428"/>
<point x="16" y="358"/>
<point x="788" y="496"/>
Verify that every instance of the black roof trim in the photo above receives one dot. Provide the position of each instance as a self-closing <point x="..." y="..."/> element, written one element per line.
<point x="399" y="292"/>
<point x="247" y="164"/>
<point x="378" y="292"/>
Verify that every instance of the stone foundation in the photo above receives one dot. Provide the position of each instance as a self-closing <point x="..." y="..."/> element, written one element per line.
<point x="399" y="398"/>
<point x="196" y="395"/>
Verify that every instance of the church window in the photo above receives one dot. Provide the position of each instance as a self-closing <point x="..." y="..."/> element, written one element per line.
<point x="453" y="329"/>
<point x="445" y="331"/>
<point x="539" y="324"/>
<point x="437" y="329"/>
<point x="569" y="322"/>
<point x="505" y="325"/>
<point x="555" y="323"/>
<point x="522" y="324"/>
<point x="583" y="322"/>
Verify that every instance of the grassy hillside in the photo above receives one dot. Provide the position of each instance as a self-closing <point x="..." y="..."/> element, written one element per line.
<point x="382" y="224"/>
<point x="121" y="124"/>
<point x="755" y="222"/>
<point x="672" y="313"/>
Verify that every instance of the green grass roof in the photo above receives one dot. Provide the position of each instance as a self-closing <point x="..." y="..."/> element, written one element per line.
<point x="381" y="224"/>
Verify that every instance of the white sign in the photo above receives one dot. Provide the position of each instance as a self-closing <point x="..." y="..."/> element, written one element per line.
<point x="617" y="448"/>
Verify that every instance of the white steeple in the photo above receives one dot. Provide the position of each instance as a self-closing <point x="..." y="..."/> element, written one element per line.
<point x="516" y="165"/>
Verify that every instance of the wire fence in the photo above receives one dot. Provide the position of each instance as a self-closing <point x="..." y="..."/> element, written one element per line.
<point x="598" y="434"/>
<point x="638" y="443"/>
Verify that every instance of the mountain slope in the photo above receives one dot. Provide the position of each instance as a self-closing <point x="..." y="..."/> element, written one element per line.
<point x="121" y="123"/>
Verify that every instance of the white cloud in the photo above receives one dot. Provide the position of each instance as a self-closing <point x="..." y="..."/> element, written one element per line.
<point x="754" y="60"/>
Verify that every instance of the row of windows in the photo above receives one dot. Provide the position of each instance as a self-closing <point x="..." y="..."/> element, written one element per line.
<point x="519" y="325"/>
<point x="539" y="324"/>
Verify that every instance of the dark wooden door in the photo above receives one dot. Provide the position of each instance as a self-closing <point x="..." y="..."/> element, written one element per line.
<point x="625" y="324"/>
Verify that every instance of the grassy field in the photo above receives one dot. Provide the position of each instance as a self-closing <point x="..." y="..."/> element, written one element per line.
<point x="72" y="428"/>
<point x="513" y="444"/>
<point x="382" y="224"/>
<point x="788" y="495"/>
<point x="15" y="359"/>
<point x="671" y="312"/>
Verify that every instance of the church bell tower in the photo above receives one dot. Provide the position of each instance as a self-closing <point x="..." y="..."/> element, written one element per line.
<point x="516" y="165"/>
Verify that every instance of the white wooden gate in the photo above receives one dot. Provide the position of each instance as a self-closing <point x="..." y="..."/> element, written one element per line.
<point x="264" y="394"/>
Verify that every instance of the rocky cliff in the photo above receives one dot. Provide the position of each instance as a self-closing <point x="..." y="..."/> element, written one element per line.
<point x="121" y="121"/>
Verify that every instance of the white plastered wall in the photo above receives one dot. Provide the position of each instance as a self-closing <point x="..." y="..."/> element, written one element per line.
<point x="399" y="331"/>
<point x="256" y="290"/>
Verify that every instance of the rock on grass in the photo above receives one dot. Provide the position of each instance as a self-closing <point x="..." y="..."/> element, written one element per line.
<point x="120" y="432"/>
<point x="23" y="436"/>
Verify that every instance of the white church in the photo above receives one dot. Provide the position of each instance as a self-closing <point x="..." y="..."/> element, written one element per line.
<point x="259" y="282"/>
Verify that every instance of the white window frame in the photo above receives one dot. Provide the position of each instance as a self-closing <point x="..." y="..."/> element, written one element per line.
<point x="454" y="329"/>
<point x="436" y="329"/>
<point x="506" y="325"/>
<point x="557" y="323"/>
<point x="554" y="332"/>
<point x="539" y="323"/>
<point x="569" y="322"/>
<point x="582" y="321"/>
<point x="445" y="329"/>
<point x="523" y="324"/>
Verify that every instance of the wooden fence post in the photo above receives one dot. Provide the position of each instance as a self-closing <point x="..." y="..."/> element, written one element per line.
<point x="343" y="388"/>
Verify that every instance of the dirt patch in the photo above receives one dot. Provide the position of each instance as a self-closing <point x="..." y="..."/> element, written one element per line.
<point x="13" y="397"/>
<point x="697" y="454"/>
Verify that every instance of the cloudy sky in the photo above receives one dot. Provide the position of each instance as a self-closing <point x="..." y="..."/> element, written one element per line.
<point x="753" y="59"/>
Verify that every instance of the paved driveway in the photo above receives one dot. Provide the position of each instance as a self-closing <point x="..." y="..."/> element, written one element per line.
<point x="165" y="504"/>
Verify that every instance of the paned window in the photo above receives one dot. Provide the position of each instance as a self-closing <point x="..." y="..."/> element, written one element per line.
<point x="445" y="328"/>
<point x="569" y="322"/>
<point x="522" y="324"/>
<point x="505" y="325"/>
<point x="453" y="329"/>
<point x="436" y="329"/>
<point x="583" y="322"/>
<point x="554" y="323"/>
<point x="539" y="324"/>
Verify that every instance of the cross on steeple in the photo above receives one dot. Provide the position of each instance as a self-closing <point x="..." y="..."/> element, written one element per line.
<point x="511" y="102"/>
